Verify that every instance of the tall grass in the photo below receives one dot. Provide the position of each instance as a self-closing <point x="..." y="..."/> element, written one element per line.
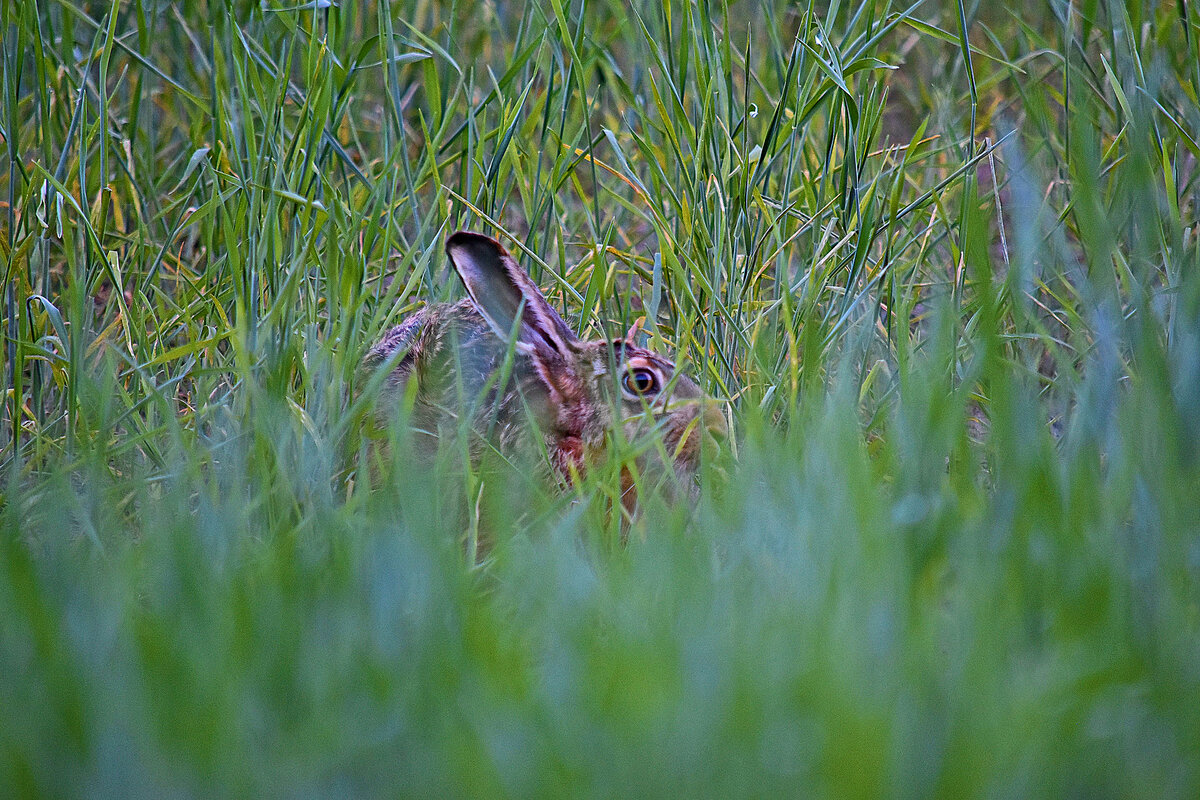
<point x="941" y="260"/>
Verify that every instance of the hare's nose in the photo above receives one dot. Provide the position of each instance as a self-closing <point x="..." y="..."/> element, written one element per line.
<point x="714" y="420"/>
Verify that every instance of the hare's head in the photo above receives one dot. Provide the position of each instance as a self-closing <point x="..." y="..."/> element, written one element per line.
<point x="584" y="391"/>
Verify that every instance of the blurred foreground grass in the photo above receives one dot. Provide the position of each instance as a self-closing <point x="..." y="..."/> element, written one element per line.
<point x="942" y="261"/>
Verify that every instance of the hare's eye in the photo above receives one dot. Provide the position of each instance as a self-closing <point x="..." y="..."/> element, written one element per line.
<point x="641" y="382"/>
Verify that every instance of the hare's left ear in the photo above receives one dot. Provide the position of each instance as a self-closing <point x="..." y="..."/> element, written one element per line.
<point x="502" y="291"/>
<point x="635" y="331"/>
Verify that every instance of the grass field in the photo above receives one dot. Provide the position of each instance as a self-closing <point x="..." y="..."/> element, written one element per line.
<point x="941" y="260"/>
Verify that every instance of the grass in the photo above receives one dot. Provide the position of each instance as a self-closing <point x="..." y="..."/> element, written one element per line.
<point x="941" y="260"/>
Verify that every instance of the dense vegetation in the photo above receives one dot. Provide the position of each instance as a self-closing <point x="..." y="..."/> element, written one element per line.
<point x="941" y="260"/>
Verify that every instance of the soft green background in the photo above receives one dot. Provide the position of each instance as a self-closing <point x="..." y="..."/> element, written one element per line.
<point x="942" y="261"/>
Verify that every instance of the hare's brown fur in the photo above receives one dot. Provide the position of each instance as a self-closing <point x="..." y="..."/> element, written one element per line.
<point x="448" y="361"/>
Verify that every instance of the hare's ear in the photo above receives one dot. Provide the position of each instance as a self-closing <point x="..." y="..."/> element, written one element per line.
<point x="501" y="290"/>
<point x="635" y="331"/>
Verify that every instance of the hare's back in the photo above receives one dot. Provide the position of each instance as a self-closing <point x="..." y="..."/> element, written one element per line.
<point x="448" y="348"/>
<point x="422" y="336"/>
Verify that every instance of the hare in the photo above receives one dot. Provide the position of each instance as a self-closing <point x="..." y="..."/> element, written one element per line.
<point x="504" y="367"/>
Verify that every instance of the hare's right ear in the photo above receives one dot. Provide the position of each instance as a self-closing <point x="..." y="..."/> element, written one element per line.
<point x="501" y="290"/>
